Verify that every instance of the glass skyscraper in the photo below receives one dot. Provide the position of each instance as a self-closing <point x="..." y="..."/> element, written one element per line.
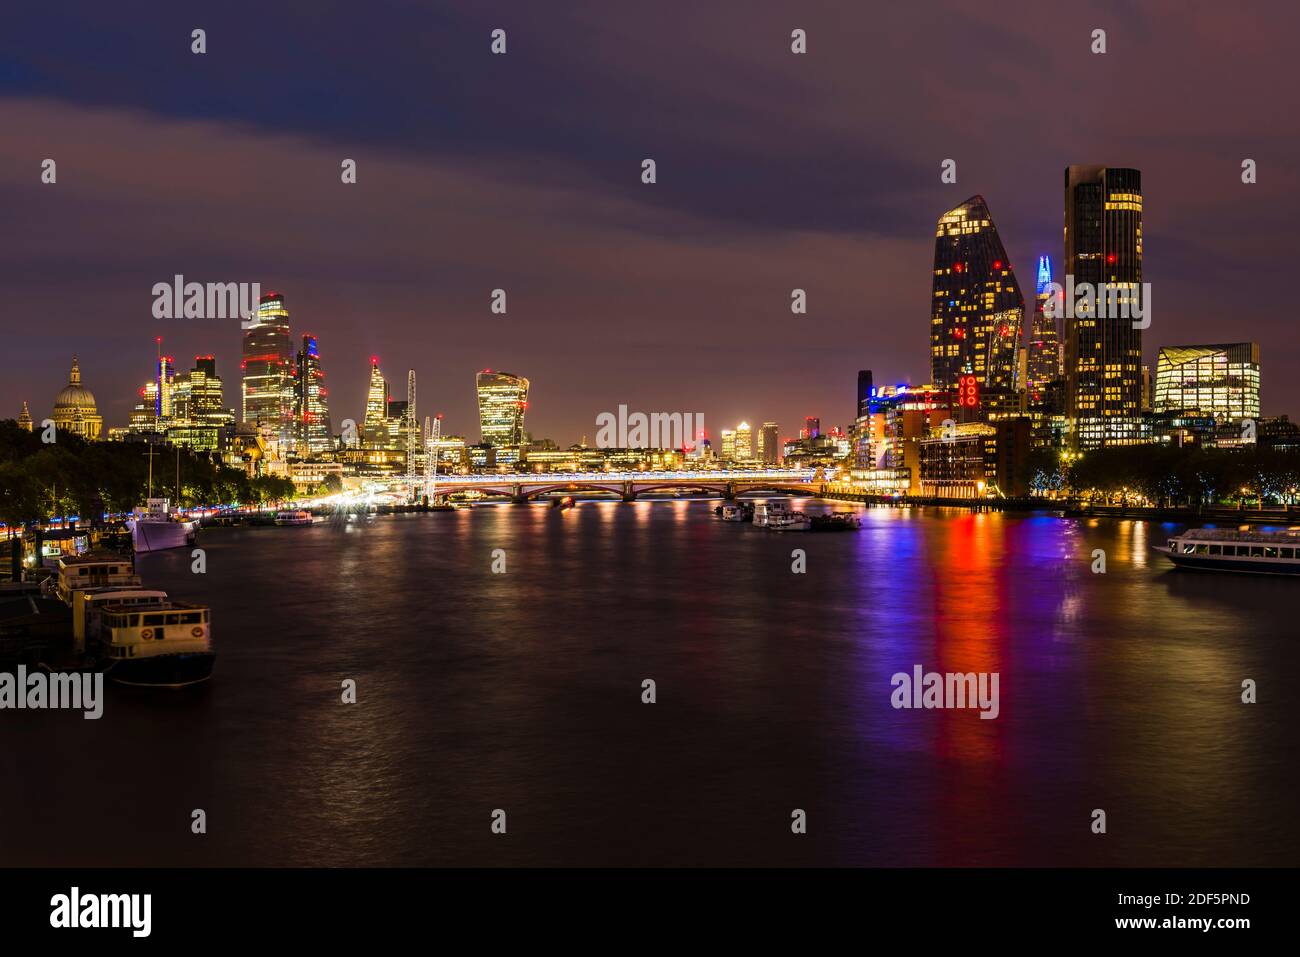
<point x="502" y="401"/>
<point x="977" y="310"/>
<point x="1212" y="381"/>
<point x="268" y="370"/>
<point x="1103" y="354"/>
<point x="311" y="412"/>
<point x="376" y="395"/>
<point x="1043" y="365"/>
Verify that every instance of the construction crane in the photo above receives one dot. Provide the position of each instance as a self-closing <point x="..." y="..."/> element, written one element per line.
<point x="433" y="435"/>
<point x="412" y="443"/>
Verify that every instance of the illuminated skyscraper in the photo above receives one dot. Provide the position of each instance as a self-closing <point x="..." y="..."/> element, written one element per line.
<point x="977" y="310"/>
<point x="164" y="376"/>
<point x="267" y="387"/>
<point x="1103" y="354"/>
<point x="311" y="412"/>
<point x="1043" y="364"/>
<point x="744" y="442"/>
<point x="502" y="401"/>
<point x="1215" y="381"/>
<point x="728" y="450"/>
<point x="812" y="427"/>
<point x="376" y="395"/>
<point x="199" y="419"/>
<point x="769" y="444"/>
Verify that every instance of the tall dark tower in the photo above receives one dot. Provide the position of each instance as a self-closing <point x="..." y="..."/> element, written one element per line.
<point x="977" y="311"/>
<point x="864" y="394"/>
<point x="1103" y="353"/>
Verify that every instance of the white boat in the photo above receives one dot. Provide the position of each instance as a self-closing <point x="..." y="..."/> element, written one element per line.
<point x="734" y="513"/>
<point x="776" y="517"/>
<point x="163" y="644"/>
<point x="93" y="573"/>
<point x="299" y="517"/>
<point x="153" y="527"/>
<point x="1228" y="550"/>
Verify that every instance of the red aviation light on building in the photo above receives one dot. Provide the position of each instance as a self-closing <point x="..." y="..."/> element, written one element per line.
<point x="968" y="392"/>
<point x="1112" y="258"/>
<point x="997" y="264"/>
<point x="957" y="267"/>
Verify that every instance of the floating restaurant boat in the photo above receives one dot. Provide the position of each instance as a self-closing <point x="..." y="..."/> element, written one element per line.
<point x="1227" y="550"/>
<point x="297" y="517"/>
<point x="154" y="528"/>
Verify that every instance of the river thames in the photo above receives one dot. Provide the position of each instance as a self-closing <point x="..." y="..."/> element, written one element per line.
<point x="522" y="691"/>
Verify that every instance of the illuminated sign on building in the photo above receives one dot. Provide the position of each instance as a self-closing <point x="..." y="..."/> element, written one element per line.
<point x="968" y="392"/>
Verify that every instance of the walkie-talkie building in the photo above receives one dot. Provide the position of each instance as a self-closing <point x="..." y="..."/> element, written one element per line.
<point x="502" y="401"/>
<point x="977" y="310"/>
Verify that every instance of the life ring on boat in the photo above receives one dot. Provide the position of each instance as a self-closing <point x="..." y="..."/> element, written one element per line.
<point x="146" y="633"/>
<point x="196" y="631"/>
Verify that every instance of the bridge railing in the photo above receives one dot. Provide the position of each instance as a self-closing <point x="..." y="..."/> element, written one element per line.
<point x="560" y="478"/>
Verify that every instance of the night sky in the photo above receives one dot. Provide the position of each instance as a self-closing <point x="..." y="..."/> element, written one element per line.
<point x="522" y="171"/>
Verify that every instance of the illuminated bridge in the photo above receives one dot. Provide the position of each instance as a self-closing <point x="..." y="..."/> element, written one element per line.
<point x="521" y="487"/>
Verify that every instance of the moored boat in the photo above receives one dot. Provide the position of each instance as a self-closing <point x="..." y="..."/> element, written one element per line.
<point x="739" y="512"/>
<point x="164" y="644"/>
<point x="154" y="528"/>
<point x="776" y="517"/>
<point x="1228" y="550"/>
<point x="835" y="522"/>
<point x="296" y="517"/>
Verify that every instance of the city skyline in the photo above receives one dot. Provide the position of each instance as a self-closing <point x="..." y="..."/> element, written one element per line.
<point x="378" y="271"/>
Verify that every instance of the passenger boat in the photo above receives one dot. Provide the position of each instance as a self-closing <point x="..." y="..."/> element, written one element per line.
<point x="140" y="636"/>
<point x="161" y="644"/>
<point x="563" y="502"/>
<point x="1227" y="550"/>
<point x="776" y="517"/>
<point x="297" y="517"/>
<point x="742" y="512"/>
<point x="154" y="528"/>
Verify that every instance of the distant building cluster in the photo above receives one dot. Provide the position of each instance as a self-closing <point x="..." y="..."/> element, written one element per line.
<point x="1004" y="384"/>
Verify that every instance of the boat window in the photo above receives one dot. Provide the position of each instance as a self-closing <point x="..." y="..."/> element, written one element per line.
<point x="1270" y="552"/>
<point x="1288" y="553"/>
<point x="1256" y="551"/>
<point x="1216" y="549"/>
<point x="154" y="619"/>
<point x="1202" y="549"/>
<point x="207" y="616"/>
<point x="1188" y="548"/>
<point x="174" y="619"/>
<point x="1173" y="545"/>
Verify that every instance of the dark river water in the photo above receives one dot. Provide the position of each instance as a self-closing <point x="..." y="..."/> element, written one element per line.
<point x="522" y="692"/>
